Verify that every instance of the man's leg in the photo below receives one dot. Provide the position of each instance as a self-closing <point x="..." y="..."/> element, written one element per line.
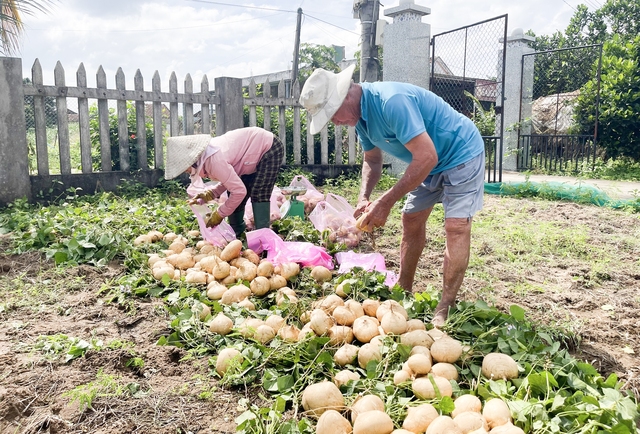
<point x="456" y="260"/>
<point x="412" y="245"/>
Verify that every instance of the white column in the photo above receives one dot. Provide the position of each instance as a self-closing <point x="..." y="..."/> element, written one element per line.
<point x="517" y="46"/>
<point x="406" y="44"/>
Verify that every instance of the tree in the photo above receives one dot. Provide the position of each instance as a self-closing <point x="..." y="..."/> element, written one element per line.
<point x="622" y="16"/>
<point x="618" y="121"/>
<point x="585" y="28"/>
<point x="616" y="25"/>
<point x="314" y="56"/>
<point x="11" y="26"/>
<point x="615" y="17"/>
<point x="566" y="71"/>
<point x="94" y="132"/>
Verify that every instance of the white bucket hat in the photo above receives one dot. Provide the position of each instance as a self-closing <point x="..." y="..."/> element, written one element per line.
<point x="183" y="151"/>
<point x="323" y="93"/>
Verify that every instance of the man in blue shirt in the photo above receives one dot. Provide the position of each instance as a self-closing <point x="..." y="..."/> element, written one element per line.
<point x="445" y="155"/>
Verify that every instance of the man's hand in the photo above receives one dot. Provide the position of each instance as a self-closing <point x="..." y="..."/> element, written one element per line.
<point x="213" y="219"/>
<point x="360" y="223"/>
<point x="375" y="215"/>
<point x="203" y="197"/>
<point x="361" y="207"/>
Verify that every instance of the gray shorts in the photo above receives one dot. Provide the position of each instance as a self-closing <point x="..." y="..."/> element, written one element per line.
<point x="460" y="190"/>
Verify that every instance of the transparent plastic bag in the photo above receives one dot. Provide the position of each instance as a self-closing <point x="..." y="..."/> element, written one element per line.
<point x="339" y="203"/>
<point x="220" y="235"/>
<point x="339" y="221"/>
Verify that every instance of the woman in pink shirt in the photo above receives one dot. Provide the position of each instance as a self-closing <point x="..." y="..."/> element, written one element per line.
<point x="246" y="163"/>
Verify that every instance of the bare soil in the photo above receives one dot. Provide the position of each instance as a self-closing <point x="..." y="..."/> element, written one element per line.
<point x="177" y="395"/>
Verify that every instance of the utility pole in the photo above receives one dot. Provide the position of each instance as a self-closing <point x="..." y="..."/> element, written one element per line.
<point x="296" y="49"/>
<point x="369" y="11"/>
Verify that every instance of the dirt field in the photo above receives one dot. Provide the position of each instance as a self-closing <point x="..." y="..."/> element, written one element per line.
<point x="179" y="396"/>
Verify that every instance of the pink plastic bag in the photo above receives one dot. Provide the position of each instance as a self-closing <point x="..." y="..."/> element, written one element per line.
<point x="367" y="261"/>
<point x="220" y="235"/>
<point x="279" y="251"/>
<point x="340" y="222"/>
<point x="311" y="197"/>
<point x="198" y="186"/>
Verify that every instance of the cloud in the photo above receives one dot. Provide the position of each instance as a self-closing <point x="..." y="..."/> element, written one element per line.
<point x="113" y="9"/>
<point x="200" y="38"/>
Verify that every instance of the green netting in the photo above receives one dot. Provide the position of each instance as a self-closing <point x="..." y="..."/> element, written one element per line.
<point x="558" y="190"/>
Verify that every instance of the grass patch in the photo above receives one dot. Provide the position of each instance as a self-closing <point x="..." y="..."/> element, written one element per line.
<point x="66" y="348"/>
<point x="34" y="292"/>
<point x="104" y="386"/>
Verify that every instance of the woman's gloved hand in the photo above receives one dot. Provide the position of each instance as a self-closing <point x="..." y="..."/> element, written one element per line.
<point x="213" y="219"/>
<point x="205" y="196"/>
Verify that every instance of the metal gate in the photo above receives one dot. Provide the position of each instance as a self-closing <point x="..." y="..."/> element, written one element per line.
<point x="467" y="70"/>
<point x="551" y="83"/>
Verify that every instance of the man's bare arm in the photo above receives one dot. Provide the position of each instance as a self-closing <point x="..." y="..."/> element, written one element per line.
<point x="371" y="173"/>
<point x="424" y="159"/>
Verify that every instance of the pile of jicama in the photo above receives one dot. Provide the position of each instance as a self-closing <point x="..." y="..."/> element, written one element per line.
<point x="428" y="380"/>
<point x="367" y="415"/>
<point x="355" y="328"/>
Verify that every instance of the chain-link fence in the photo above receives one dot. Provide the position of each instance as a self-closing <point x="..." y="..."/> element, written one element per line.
<point x="467" y="70"/>
<point x="552" y="81"/>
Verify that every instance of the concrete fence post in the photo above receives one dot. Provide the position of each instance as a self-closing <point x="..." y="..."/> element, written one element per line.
<point x="14" y="156"/>
<point x="229" y="114"/>
<point x="514" y="82"/>
<point x="406" y="54"/>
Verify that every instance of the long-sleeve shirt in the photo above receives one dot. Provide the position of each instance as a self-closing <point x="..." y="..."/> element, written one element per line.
<point x="239" y="153"/>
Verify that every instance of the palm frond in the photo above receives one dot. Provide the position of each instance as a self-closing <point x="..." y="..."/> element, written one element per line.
<point x="11" y="24"/>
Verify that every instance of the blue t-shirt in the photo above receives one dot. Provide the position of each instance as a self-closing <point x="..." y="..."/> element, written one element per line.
<point x="394" y="113"/>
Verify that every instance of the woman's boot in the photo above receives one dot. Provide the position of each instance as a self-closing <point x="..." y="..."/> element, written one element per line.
<point x="236" y="220"/>
<point x="261" y="214"/>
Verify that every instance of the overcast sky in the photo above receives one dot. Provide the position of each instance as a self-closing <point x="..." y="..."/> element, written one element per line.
<point x="233" y="38"/>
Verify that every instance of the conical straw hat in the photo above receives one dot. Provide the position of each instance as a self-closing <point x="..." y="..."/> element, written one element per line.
<point x="183" y="151"/>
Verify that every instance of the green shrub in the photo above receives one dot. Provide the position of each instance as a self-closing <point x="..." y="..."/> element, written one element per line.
<point x="620" y="169"/>
<point x="618" y="122"/>
<point x="132" y="134"/>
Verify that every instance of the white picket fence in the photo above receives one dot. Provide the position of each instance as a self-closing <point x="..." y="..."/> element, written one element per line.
<point x="181" y="108"/>
<point x="83" y="153"/>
